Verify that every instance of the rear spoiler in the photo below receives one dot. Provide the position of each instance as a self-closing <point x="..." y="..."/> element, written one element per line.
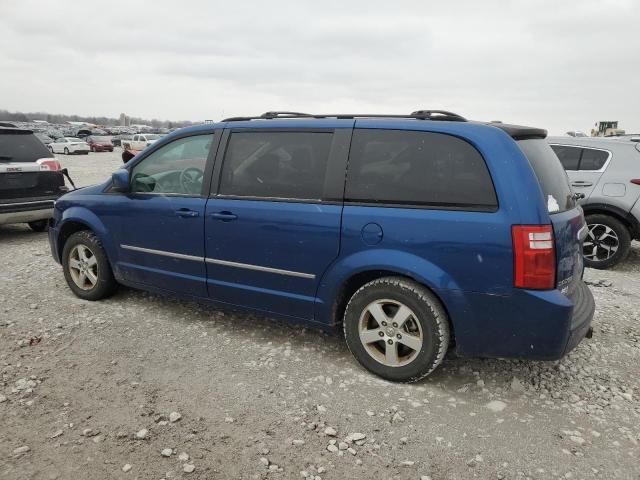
<point x="518" y="132"/>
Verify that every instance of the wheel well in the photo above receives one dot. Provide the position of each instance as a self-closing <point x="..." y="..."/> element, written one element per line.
<point x="66" y="231"/>
<point x="633" y="230"/>
<point x="352" y="285"/>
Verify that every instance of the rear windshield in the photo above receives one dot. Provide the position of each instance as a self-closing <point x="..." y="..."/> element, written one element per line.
<point x="21" y="147"/>
<point x="551" y="175"/>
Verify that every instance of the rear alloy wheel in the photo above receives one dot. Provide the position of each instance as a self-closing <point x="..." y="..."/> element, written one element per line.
<point x="38" y="225"/>
<point x="86" y="268"/>
<point x="397" y="329"/>
<point x="607" y="243"/>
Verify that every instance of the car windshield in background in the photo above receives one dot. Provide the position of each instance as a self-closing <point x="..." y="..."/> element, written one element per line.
<point x="21" y="147"/>
<point x="74" y="139"/>
<point x="101" y="139"/>
<point x="551" y="175"/>
<point x="152" y="137"/>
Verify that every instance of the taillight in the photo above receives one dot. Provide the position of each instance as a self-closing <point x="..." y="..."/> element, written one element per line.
<point x="636" y="181"/>
<point x="534" y="257"/>
<point x="49" y="164"/>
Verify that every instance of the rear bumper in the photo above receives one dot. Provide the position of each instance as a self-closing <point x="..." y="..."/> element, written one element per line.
<point x="528" y="324"/>
<point x="27" y="211"/>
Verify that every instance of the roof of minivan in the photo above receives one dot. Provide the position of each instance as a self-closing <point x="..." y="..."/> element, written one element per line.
<point x="517" y="132"/>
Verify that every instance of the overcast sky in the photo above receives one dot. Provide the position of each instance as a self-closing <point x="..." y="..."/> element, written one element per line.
<point x="558" y="64"/>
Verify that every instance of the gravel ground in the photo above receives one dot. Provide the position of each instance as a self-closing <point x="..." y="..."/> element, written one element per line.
<point x="146" y="387"/>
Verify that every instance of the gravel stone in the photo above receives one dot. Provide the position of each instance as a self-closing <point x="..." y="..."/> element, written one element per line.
<point x="174" y="417"/>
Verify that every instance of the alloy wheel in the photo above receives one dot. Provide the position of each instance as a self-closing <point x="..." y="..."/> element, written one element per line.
<point x="83" y="267"/>
<point x="390" y="332"/>
<point x="601" y="243"/>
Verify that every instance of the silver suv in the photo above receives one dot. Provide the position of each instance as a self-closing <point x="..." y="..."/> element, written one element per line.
<point x="607" y="173"/>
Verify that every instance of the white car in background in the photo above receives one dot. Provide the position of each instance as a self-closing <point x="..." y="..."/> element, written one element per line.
<point x="69" y="145"/>
<point x="140" y="141"/>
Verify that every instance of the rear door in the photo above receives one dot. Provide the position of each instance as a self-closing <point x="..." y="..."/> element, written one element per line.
<point x="569" y="227"/>
<point x="584" y="166"/>
<point x="272" y="225"/>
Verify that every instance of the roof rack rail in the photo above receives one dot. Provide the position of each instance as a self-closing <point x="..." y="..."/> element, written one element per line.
<point x="441" y="115"/>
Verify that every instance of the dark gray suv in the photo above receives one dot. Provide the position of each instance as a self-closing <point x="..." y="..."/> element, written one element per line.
<point x="607" y="173"/>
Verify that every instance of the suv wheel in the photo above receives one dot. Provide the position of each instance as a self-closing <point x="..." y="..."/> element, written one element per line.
<point x="608" y="241"/>
<point x="86" y="268"/>
<point x="397" y="329"/>
<point x="38" y="225"/>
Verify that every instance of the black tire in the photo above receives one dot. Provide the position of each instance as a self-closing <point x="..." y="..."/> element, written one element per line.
<point x="597" y="224"/>
<point x="66" y="151"/>
<point x="92" y="149"/>
<point x="39" y="225"/>
<point x="106" y="284"/>
<point x="428" y="312"/>
<point x="50" y="148"/>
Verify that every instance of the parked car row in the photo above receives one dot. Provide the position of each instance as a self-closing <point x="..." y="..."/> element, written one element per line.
<point x="413" y="233"/>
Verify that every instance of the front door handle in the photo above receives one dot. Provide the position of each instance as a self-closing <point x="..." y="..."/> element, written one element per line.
<point x="186" y="213"/>
<point x="224" y="216"/>
<point x="581" y="183"/>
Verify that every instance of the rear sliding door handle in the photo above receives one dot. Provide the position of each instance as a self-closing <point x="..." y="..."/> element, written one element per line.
<point x="580" y="183"/>
<point x="224" y="216"/>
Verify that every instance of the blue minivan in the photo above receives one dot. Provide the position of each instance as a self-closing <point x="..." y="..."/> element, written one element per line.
<point x="415" y="233"/>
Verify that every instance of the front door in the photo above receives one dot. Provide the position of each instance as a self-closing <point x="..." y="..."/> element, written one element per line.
<point x="270" y="230"/>
<point x="160" y="223"/>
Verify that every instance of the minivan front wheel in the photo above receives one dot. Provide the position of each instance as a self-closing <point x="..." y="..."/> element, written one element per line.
<point x="397" y="329"/>
<point x="86" y="267"/>
<point x="607" y="243"/>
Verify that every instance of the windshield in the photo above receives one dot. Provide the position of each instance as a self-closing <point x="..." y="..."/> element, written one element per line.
<point x="21" y="147"/>
<point x="551" y="175"/>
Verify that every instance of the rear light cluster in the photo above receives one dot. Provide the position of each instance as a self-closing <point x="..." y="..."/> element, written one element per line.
<point x="636" y="181"/>
<point x="49" y="164"/>
<point x="534" y="257"/>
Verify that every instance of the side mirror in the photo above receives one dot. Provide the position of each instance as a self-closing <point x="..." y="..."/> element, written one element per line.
<point x="120" y="181"/>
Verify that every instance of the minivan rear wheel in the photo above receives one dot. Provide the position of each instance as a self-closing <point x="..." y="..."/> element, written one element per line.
<point x="86" y="267"/>
<point x="607" y="243"/>
<point x="397" y="329"/>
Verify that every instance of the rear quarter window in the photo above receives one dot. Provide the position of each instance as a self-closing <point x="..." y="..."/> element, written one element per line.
<point x="21" y="147"/>
<point x="551" y="176"/>
<point x="417" y="168"/>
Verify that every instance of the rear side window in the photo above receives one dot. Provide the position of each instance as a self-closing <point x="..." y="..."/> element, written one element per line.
<point x="551" y="176"/>
<point x="577" y="158"/>
<point x="569" y="156"/>
<point x="21" y="147"/>
<point x="288" y="165"/>
<point x="417" y="168"/>
<point x="593" y="159"/>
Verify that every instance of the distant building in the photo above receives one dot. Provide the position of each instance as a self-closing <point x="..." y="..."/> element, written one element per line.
<point x="124" y="120"/>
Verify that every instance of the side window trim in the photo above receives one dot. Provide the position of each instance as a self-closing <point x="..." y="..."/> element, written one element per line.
<point x="333" y="188"/>
<point x="582" y="149"/>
